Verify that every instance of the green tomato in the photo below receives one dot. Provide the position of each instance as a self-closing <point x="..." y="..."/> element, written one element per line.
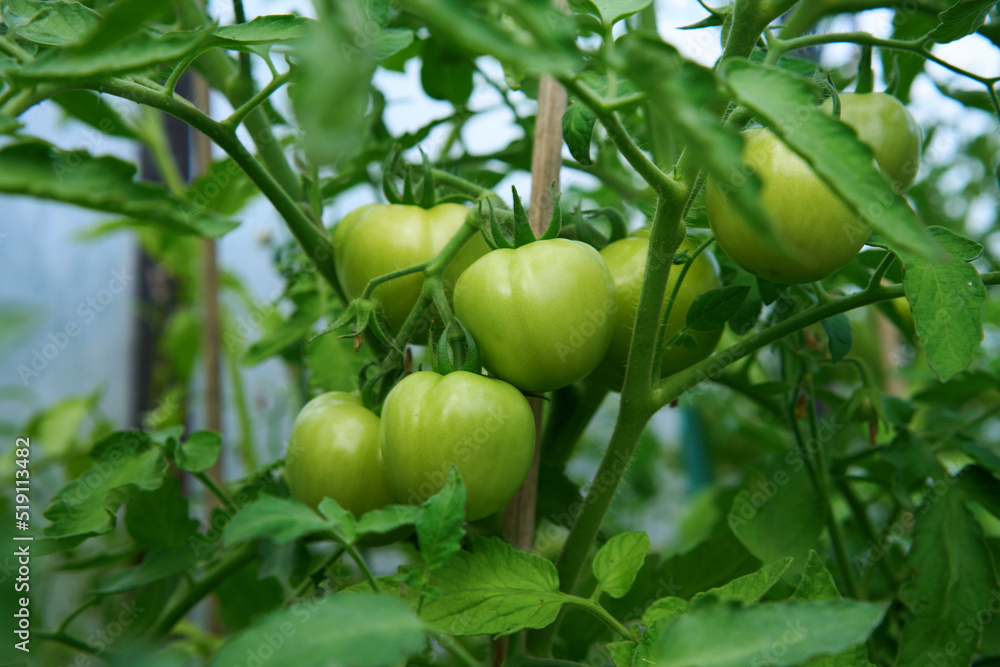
<point x="377" y="239"/>
<point x="627" y="260"/>
<point x="333" y="452"/>
<point x="481" y="425"/>
<point x="818" y="230"/>
<point x="543" y="314"/>
<point x="883" y="123"/>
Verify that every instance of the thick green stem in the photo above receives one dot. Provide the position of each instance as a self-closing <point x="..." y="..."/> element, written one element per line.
<point x="230" y="564"/>
<point x="313" y="240"/>
<point x="636" y="407"/>
<point x="668" y="308"/>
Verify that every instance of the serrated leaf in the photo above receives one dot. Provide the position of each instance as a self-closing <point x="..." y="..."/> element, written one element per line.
<point x="961" y="19"/>
<point x="122" y="19"/>
<point x="130" y="55"/>
<point x="58" y="23"/>
<point x="817" y="584"/>
<point x="718" y="634"/>
<point x="387" y="519"/>
<point x="439" y="527"/>
<point x="103" y="183"/>
<point x="160" y="518"/>
<point x="831" y="149"/>
<point x="360" y="630"/>
<point x="157" y="564"/>
<point x="711" y="309"/>
<point x="952" y="580"/>
<point x="199" y="451"/>
<point x="279" y="520"/>
<point x="497" y="589"/>
<point x="617" y="563"/>
<point x="87" y="505"/>
<point x="947" y="299"/>
<point x="272" y="29"/>
<point x="340" y="519"/>
<point x="746" y="589"/>
<point x="838" y="331"/>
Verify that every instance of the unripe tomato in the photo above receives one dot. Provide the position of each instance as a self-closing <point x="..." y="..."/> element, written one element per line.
<point x="381" y="238"/>
<point x="818" y="230"/>
<point x="883" y="123"/>
<point x="627" y="260"/>
<point x="481" y="425"/>
<point x="543" y="314"/>
<point x="333" y="452"/>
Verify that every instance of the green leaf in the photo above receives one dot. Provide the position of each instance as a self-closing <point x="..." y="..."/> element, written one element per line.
<point x="390" y="41"/>
<point x="279" y="520"/>
<point x="679" y="91"/>
<point x="446" y="74"/>
<point x="88" y="107"/>
<point x="334" y="365"/>
<point x="131" y="55"/>
<point x="340" y="519"/>
<point x="782" y="634"/>
<point x="199" y="452"/>
<point x="746" y="589"/>
<point x="817" y="584"/>
<point x="830" y="147"/>
<point x="710" y="310"/>
<point x="609" y="11"/>
<point x="965" y="386"/>
<point x="838" y="330"/>
<point x="157" y="564"/>
<point x="963" y="18"/>
<point x="952" y="581"/>
<point x="497" y="589"/>
<point x="439" y="527"/>
<point x="360" y="630"/>
<point x="273" y="29"/>
<point x="55" y="430"/>
<point x="288" y="332"/>
<point x="122" y="19"/>
<point x="947" y="298"/>
<point x="778" y="513"/>
<point x="124" y="463"/>
<point x="224" y="188"/>
<point x="621" y="653"/>
<point x="578" y="129"/>
<point x="160" y="518"/>
<point x="387" y="519"/>
<point x="101" y="183"/>
<point x="617" y="563"/>
<point x="58" y="23"/>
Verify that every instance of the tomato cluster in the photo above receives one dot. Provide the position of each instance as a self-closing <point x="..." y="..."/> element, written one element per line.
<point x="549" y="313"/>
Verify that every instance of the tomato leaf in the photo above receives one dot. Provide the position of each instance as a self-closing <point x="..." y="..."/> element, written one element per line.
<point x="495" y="589"/>
<point x="830" y="147"/>
<point x="947" y="298"/>
<point x="199" y="452"/>
<point x="279" y="520"/>
<point x="817" y="584"/>
<point x="341" y="520"/>
<point x="838" y="330"/>
<point x="156" y="565"/>
<point x="746" y="589"/>
<point x="446" y="74"/>
<point x="578" y="129"/>
<point x="609" y="11"/>
<point x="953" y="580"/>
<point x="59" y="23"/>
<point x="122" y="19"/>
<point x="101" y="183"/>
<point x="617" y="563"/>
<point x="439" y="528"/>
<point x="160" y="518"/>
<point x="711" y="310"/>
<point x="367" y="630"/>
<point x="273" y="29"/>
<point x="388" y="519"/>
<point x="622" y="653"/>
<point x="124" y="463"/>
<point x="803" y="630"/>
<point x="961" y="19"/>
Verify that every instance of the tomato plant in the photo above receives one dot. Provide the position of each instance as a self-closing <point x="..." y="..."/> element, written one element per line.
<point x="422" y="422"/>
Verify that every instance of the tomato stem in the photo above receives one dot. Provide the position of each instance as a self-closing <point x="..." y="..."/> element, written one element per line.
<point x="660" y="347"/>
